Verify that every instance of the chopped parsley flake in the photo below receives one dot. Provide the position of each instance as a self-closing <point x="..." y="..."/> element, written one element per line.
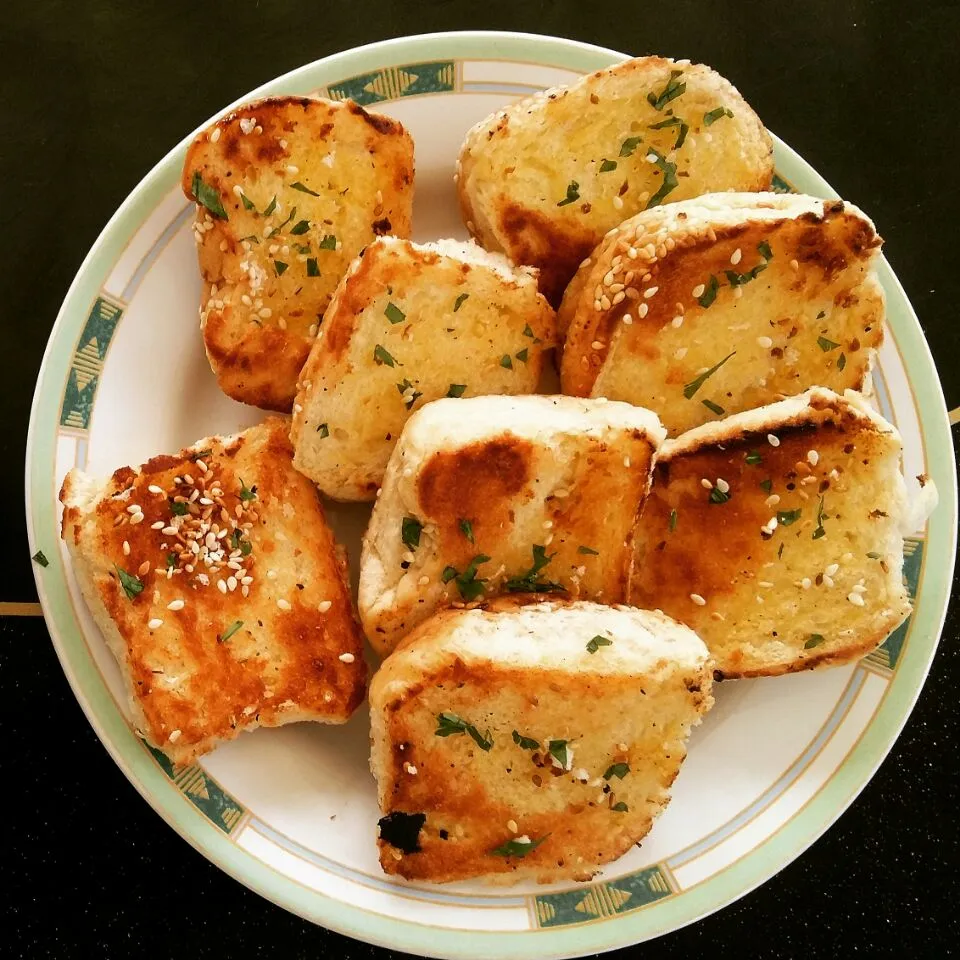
<point x="382" y="357"/>
<point x="588" y="550"/>
<point x="528" y="582"/>
<point x="573" y="194"/>
<point x="629" y="145"/>
<point x="819" y="531"/>
<point x="525" y="743"/>
<point x="312" y="269"/>
<point x="39" y="558"/>
<point x="842" y="361"/>
<point x="132" y="586"/>
<point x="673" y="122"/>
<point x="826" y="345"/>
<point x="558" y="750"/>
<point x="410" y="530"/>
<point x="753" y="458"/>
<point x="506" y="362"/>
<point x="518" y="847"/>
<point x="468" y="583"/>
<point x="709" y="292"/>
<point x="324" y="431"/>
<point x="207" y="196"/>
<point x="618" y="770"/>
<point x="171" y="559"/>
<point x="246" y="201"/>
<point x="300" y="228"/>
<point x="449" y="724"/>
<point x="718" y="496"/>
<point x="597" y="642"/>
<point x="714" y="407"/>
<point x="620" y="807"/>
<point x="466" y="528"/>
<point x="672" y="522"/>
<point x="293" y="213"/>
<point x="787" y="517"/>
<point x="178" y="509"/>
<point x="394" y="314"/>
<point x="456" y="389"/>
<point x="247" y="494"/>
<point x="694" y="385"/>
<point x="230" y="631"/>
<point x="329" y="241"/>
<point x="764" y="250"/>
<point x="458" y="303"/>
<point x="712" y="116"/>
<point x="670" y="181"/>
<point x="522" y="355"/>
<point x="404" y="388"/>
<point x="814" y="640"/>
<point x="766" y="485"/>
<point x="607" y="165"/>
<point x="303" y="188"/>
<point x="671" y="91"/>
<point x="279" y="266"/>
<point x="271" y="206"/>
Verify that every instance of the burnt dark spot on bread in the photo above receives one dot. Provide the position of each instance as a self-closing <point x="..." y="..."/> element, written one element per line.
<point x="402" y="830"/>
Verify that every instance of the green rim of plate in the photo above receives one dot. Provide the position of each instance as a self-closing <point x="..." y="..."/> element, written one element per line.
<point x="658" y="918"/>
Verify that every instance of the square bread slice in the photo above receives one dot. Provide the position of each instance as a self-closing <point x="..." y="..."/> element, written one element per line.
<point x="724" y="303"/>
<point x="530" y="742"/>
<point x="288" y="191"/>
<point x="545" y="178"/>
<point x="411" y="323"/>
<point x="776" y="535"/>
<point x="218" y="587"/>
<point x="490" y="495"/>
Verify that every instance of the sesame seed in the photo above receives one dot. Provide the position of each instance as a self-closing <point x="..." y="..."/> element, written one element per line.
<point x="176" y="605"/>
<point x="698" y="600"/>
<point x="605" y="302"/>
<point x="264" y="313"/>
<point x="608" y="279"/>
<point x="512" y="826"/>
<point x="126" y="548"/>
<point x="773" y="440"/>
<point x="548" y="540"/>
<point x="597" y="345"/>
<point x="231" y="584"/>
<point x="284" y="604"/>
<point x="813" y="458"/>
<point x="245" y="590"/>
<point x="828" y="580"/>
<point x="134" y="508"/>
<point x="764" y="342"/>
<point x="169" y="531"/>
<point x="271" y="574"/>
<point x="772" y="500"/>
<point x="717" y="615"/>
<point x="832" y="569"/>
<point x="154" y="624"/>
<point x="764" y="583"/>
<point x="649" y="292"/>
<point x="722" y="485"/>
<point x="222" y="586"/>
<point x="626" y="462"/>
<point x="215" y="135"/>
<point x="346" y="657"/>
<point x="618" y="297"/>
<point x="677" y="322"/>
<point x="698" y="290"/>
<point x="706" y="484"/>
<point x="806" y="583"/>
<point x="736" y="256"/>
<point x="175" y="734"/>
<point x="153" y="488"/>
<point x="617" y="203"/>
<point x="632" y="253"/>
<point x="409" y="767"/>
<point x="324" y="605"/>
<point x="794" y="265"/>
<point x="859" y="588"/>
<point x="642" y="310"/>
<point x="737" y="293"/>
<point x="856" y="599"/>
<point x="424" y="580"/>
<point x="292" y="169"/>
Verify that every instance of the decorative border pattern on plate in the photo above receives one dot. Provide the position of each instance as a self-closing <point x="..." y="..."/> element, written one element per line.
<point x="392" y="83"/>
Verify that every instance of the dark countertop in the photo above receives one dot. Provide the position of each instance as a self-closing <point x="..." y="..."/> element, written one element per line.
<point x="95" y="93"/>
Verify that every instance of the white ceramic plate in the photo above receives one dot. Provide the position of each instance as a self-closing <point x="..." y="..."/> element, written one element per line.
<point x="292" y="812"/>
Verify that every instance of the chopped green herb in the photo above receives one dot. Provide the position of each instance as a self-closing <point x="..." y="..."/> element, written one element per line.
<point x="410" y="530"/>
<point x="709" y="294"/>
<point x="814" y="640"/>
<point x="312" y="269"/>
<point x="694" y="385"/>
<point x="235" y="538"/>
<point x="873" y="556"/>
<point x="753" y="458"/>
<point x="588" y="551"/>
<point x="618" y="770"/>
<point x="271" y="206"/>
<point x="607" y="165"/>
<point x="826" y="345"/>
<point x="324" y="431"/>
<point x="458" y="303"/>
<point x="718" y="496"/>
<point x="525" y="743"/>
<point x="712" y="116"/>
<point x="506" y="362"/>
<point x="673" y="122"/>
<point x="207" y="196"/>
<point x="247" y="494"/>
<point x="522" y="355"/>
<point x="780" y="550"/>
<point x="672" y="523"/>
<point x="597" y="642"/>
<point x="842" y="361"/>
<point x="786" y="517"/>
<point x="764" y="249"/>
<point x="739" y="279"/>
<point x="714" y="407"/>
<point x="573" y="194"/>
<point x="329" y="241"/>
<point x="671" y="91"/>
<point x="39" y="558"/>
<point x="518" y="847"/>
<point x="246" y="201"/>
<point x="620" y="807"/>
<point x="466" y="528"/>
<point x="292" y="214"/>
<point x="250" y="239"/>
<point x="449" y="724"/>
<point x="456" y="389"/>
<point x="382" y="357"/>
<point x="404" y="388"/>
<point x="230" y="631"/>
<point x="300" y="228"/>
<point x="279" y="266"/>
<point x="528" y="332"/>
<point x="528" y="582"/>
<point x="394" y="314"/>
<point x="670" y="181"/>
<point x="766" y="485"/>
<point x="178" y="509"/>
<point x="558" y="750"/>
<point x="629" y="146"/>
<point x="303" y="188"/>
<point x="821" y="314"/>
<point x="200" y="455"/>
<point x="819" y="531"/>
<point x="132" y="586"/>
<point x="171" y="559"/>
<point x="246" y="547"/>
<point x="470" y="586"/>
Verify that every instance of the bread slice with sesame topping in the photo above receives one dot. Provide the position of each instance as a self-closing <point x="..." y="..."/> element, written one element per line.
<point x="218" y="587"/>
<point x="531" y="742"/>
<point x="724" y="303"/>
<point x="411" y="323"/>
<point x="491" y="495"/>
<point x="777" y="535"/>
<point x="545" y="178"/>
<point x="288" y="191"/>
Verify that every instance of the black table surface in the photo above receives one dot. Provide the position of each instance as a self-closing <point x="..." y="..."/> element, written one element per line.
<point x="94" y="93"/>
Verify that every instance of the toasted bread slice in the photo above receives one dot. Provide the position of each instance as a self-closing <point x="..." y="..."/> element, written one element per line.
<point x="492" y="495"/>
<point x="776" y="535"/>
<point x="725" y="303"/>
<point x="531" y="742"/>
<point x="219" y="589"/>
<point x="288" y="191"/>
<point x="408" y="324"/>
<point x="547" y="177"/>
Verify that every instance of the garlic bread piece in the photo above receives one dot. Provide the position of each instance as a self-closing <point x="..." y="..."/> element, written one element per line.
<point x="411" y="323"/>
<point x="776" y="535"/>
<point x="545" y="178"/>
<point x="491" y="495"/>
<point x="218" y="587"/>
<point x="535" y="742"/>
<point x="288" y="191"/>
